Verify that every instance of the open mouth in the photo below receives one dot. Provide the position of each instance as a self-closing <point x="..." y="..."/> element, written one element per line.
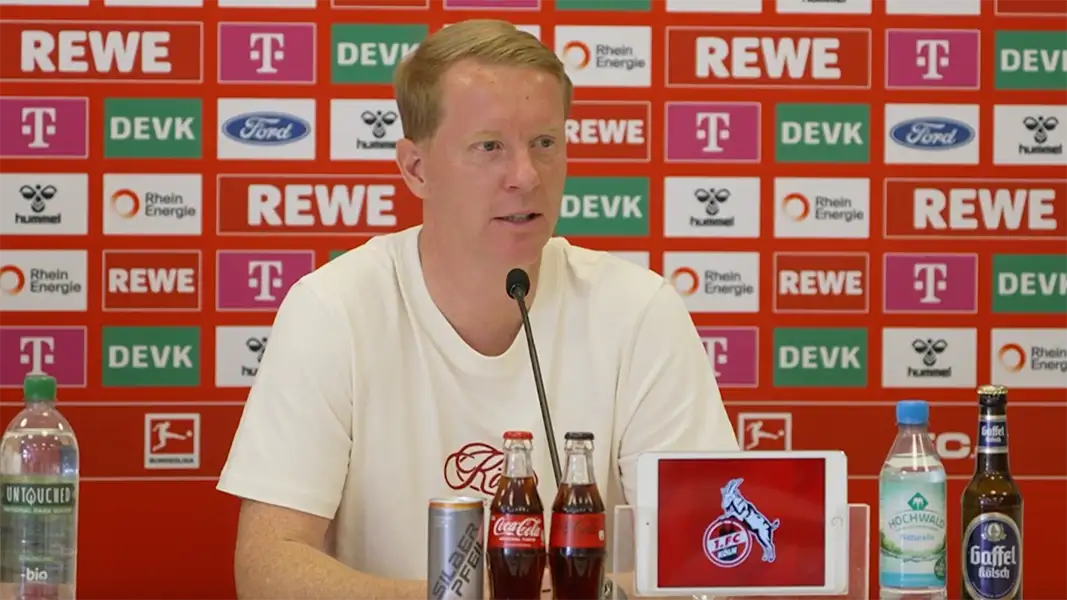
<point x="519" y="218"/>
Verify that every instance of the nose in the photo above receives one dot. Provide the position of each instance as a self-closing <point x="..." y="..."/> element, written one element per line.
<point x="522" y="174"/>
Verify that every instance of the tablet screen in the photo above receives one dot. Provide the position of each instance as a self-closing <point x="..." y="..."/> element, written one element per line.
<point x="741" y="523"/>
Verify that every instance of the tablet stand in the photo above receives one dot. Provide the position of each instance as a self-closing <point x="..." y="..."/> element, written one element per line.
<point x="623" y="544"/>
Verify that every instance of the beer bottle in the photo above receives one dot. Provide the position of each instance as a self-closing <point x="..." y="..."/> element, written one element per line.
<point x="991" y="554"/>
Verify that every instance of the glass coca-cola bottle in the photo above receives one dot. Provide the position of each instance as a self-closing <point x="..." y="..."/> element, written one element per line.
<point x="577" y="541"/>
<point x="515" y="548"/>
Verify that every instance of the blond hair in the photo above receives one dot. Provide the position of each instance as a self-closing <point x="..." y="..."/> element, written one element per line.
<point x="416" y="80"/>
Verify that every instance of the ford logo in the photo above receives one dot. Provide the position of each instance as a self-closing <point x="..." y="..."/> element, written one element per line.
<point x="932" y="133"/>
<point x="266" y="128"/>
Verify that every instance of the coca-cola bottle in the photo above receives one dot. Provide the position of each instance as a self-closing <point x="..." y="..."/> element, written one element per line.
<point x="577" y="543"/>
<point x="515" y="549"/>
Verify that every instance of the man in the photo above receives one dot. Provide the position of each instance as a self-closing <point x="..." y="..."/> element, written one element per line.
<point x="392" y="371"/>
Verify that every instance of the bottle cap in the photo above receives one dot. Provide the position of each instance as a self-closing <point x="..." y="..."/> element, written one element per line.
<point x="39" y="388"/>
<point x="518" y="435"/>
<point x="581" y="436"/>
<point x="913" y="412"/>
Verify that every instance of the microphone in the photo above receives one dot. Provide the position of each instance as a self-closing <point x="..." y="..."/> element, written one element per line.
<point x="518" y="285"/>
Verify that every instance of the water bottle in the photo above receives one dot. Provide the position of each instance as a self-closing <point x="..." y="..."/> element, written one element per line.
<point x="911" y="511"/>
<point x="38" y="499"/>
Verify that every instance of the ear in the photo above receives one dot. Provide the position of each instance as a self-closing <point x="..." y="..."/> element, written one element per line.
<point x="409" y="160"/>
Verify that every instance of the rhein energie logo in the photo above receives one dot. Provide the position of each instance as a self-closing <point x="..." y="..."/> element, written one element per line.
<point x="728" y="539"/>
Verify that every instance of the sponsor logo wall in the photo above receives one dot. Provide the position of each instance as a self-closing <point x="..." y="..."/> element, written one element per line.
<point x="859" y="201"/>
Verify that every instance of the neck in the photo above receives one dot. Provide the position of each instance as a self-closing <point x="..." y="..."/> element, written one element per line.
<point x="469" y="292"/>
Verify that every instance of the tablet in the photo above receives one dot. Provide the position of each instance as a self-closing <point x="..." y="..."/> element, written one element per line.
<point x="741" y="523"/>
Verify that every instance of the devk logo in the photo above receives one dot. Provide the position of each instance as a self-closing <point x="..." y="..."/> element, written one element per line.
<point x="728" y="539"/>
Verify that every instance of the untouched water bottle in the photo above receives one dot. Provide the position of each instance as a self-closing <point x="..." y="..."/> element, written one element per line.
<point x="38" y="499"/>
<point x="911" y="511"/>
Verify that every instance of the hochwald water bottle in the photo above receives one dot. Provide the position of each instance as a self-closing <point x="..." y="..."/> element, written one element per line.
<point x="38" y="499"/>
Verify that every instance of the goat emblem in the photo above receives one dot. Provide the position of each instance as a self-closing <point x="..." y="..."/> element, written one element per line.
<point x="729" y="538"/>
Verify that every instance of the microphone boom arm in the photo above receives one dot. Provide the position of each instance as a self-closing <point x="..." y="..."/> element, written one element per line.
<point x="553" y="453"/>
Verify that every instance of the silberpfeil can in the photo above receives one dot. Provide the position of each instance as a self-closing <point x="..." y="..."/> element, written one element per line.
<point x="455" y="558"/>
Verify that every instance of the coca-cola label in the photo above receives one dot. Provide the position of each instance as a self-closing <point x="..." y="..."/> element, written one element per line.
<point x="584" y="530"/>
<point x="525" y="531"/>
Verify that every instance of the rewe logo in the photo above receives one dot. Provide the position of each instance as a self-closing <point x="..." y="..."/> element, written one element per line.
<point x="838" y="133"/>
<point x="707" y="132"/>
<point x="604" y="206"/>
<point x="810" y="357"/>
<point x="1029" y="358"/>
<point x="821" y="282"/>
<point x="944" y="59"/>
<point x="929" y="358"/>
<point x="768" y="57"/>
<point x="267" y="53"/>
<point x="609" y="131"/>
<point x="368" y="53"/>
<point x="151" y="356"/>
<point x="936" y="283"/>
<point x="734" y="355"/>
<point x="102" y="51"/>
<point x="726" y="207"/>
<point x="152" y="128"/>
<point x="349" y="205"/>
<point x="1030" y="60"/>
<point x="152" y="280"/>
<point x="238" y="354"/>
<point x="44" y="127"/>
<point x="1030" y="283"/>
<point x="258" y="281"/>
<point x="975" y="208"/>
<point x="1040" y="8"/>
<point x="57" y="351"/>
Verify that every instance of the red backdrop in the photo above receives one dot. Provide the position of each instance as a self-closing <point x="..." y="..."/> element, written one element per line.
<point x="158" y="533"/>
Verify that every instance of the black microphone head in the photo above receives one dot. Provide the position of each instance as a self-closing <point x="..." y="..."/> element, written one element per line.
<point x="518" y="281"/>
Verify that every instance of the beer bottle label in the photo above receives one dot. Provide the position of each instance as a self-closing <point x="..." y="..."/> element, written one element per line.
<point x="912" y="534"/>
<point x="992" y="557"/>
<point x="993" y="435"/>
<point x="524" y="531"/>
<point x="585" y="530"/>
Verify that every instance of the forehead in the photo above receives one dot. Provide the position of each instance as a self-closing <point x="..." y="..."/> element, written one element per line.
<point x="491" y="96"/>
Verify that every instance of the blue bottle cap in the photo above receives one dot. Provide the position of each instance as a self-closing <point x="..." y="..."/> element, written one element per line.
<point x="913" y="412"/>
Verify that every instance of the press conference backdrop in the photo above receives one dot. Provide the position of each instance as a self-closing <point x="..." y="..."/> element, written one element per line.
<point x="860" y="202"/>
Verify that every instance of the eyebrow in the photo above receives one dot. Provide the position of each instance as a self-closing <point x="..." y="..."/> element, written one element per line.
<point x="494" y="133"/>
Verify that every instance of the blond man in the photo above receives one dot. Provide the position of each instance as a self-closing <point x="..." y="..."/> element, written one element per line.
<point x="392" y="371"/>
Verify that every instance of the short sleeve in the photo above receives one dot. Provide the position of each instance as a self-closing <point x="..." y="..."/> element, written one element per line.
<point x="294" y="439"/>
<point x="670" y="386"/>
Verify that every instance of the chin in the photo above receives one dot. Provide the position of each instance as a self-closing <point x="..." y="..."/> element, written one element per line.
<point x="521" y="249"/>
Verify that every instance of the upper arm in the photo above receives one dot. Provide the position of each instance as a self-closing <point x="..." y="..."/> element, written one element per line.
<point x="670" y="389"/>
<point x="294" y="439"/>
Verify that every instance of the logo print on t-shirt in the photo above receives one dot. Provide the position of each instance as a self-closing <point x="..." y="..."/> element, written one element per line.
<point x="476" y="466"/>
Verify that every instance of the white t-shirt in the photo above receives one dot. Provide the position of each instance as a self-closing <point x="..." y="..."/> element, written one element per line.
<point x="368" y="403"/>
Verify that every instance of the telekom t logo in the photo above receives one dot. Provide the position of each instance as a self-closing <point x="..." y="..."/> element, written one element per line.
<point x="37" y="352"/>
<point x="713" y="128"/>
<point x="931" y="55"/>
<point x="930" y="279"/>
<point x="266" y="48"/>
<point x="38" y="122"/>
<point x="716" y="348"/>
<point x="262" y="276"/>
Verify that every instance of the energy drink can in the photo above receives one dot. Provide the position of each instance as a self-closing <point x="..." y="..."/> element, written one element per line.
<point x="455" y="560"/>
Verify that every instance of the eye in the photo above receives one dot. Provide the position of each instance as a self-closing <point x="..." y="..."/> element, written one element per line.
<point x="545" y="142"/>
<point x="488" y="146"/>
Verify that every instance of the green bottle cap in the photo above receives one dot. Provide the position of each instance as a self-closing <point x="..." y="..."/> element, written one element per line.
<point x="39" y="388"/>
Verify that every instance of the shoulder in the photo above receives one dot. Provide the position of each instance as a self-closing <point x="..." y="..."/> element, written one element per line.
<point x="618" y="291"/>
